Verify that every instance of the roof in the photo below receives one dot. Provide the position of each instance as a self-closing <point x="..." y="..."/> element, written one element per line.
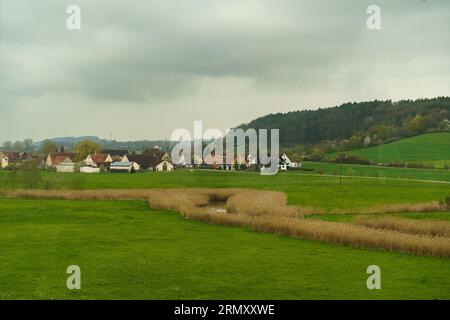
<point x="122" y="164"/>
<point x="99" y="158"/>
<point x="12" y="155"/>
<point x="54" y="155"/>
<point x="62" y="159"/>
<point x="150" y="159"/>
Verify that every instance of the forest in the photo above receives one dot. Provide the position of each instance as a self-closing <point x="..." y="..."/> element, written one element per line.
<point x="356" y="125"/>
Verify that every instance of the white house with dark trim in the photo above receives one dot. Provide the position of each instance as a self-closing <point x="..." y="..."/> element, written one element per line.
<point x="165" y="166"/>
<point x="285" y="163"/>
<point x="98" y="160"/>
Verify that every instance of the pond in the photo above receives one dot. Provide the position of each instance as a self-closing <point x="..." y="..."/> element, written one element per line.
<point x="215" y="206"/>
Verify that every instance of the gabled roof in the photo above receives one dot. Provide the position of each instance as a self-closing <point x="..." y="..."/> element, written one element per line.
<point x="12" y="155"/>
<point x="99" y="158"/>
<point x="285" y="157"/>
<point x="150" y="159"/>
<point x="54" y="155"/>
<point x="62" y="159"/>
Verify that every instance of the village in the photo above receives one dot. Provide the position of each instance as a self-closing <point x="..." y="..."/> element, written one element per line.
<point x="122" y="161"/>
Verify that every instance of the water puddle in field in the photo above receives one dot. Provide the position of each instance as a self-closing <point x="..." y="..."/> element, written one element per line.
<point x="215" y="206"/>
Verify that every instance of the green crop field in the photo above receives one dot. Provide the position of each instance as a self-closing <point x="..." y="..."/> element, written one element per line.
<point x="430" y="148"/>
<point x="127" y="250"/>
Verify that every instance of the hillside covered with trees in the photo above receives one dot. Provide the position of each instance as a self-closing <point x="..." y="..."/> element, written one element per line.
<point x="355" y="125"/>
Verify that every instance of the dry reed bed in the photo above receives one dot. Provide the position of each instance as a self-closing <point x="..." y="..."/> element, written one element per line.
<point x="430" y="228"/>
<point x="331" y="232"/>
<point x="109" y="194"/>
<point x="264" y="211"/>
<point x="238" y="199"/>
<point x="433" y="206"/>
<point x="267" y="211"/>
<point x="246" y="201"/>
<point x="355" y="235"/>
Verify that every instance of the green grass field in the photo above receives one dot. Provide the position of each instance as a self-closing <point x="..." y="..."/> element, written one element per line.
<point x="126" y="250"/>
<point x="378" y="172"/>
<point x="429" y="148"/>
<point x="309" y="190"/>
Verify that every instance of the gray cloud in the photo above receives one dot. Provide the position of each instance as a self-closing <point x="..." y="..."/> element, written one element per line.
<point x="224" y="62"/>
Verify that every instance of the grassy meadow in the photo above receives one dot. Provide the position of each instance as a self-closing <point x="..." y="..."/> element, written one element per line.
<point x="430" y="148"/>
<point x="302" y="189"/>
<point x="127" y="250"/>
<point x="378" y="172"/>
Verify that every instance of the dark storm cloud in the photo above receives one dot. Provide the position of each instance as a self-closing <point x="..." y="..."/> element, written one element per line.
<point x="165" y="55"/>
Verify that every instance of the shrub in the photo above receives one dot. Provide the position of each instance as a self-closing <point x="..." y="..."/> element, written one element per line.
<point x="420" y="165"/>
<point x="447" y="203"/>
<point x="350" y="159"/>
<point x="395" y="164"/>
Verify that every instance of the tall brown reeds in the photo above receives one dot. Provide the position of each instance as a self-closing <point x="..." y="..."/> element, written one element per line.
<point x="433" y="206"/>
<point x="267" y="211"/>
<point x="412" y="226"/>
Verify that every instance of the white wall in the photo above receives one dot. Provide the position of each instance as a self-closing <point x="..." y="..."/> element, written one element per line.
<point x="65" y="168"/>
<point x="89" y="170"/>
<point x="5" y="162"/>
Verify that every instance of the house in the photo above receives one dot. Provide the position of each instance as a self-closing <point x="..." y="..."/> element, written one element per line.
<point x="102" y="160"/>
<point x="39" y="159"/>
<point x="8" y="158"/>
<point x="124" y="166"/>
<point x="252" y="160"/>
<point x="164" y="166"/>
<point x="197" y="159"/>
<point x="147" y="161"/>
<point x="166" y="157"/>
<point x="289" y="163"/>
<point x="282" y="165"/>
<point x="285" y="163"/>
<point x="214" y="162"/>
<point x="64" y="164"/>
<point x="55" y="158"/>
<point x="5" y="161"/>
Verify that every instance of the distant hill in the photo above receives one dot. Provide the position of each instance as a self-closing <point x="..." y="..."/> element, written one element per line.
<point x="432" y="148"/>
<point x="350" y="124"/>
<point x="137" y="146"/>
<point x="69" y="141"/>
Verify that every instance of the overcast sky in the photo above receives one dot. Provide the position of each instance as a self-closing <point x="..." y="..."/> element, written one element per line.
<point x="140" y="69"/>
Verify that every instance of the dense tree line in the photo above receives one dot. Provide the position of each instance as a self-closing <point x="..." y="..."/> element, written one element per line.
<point x="356" y="125"/>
